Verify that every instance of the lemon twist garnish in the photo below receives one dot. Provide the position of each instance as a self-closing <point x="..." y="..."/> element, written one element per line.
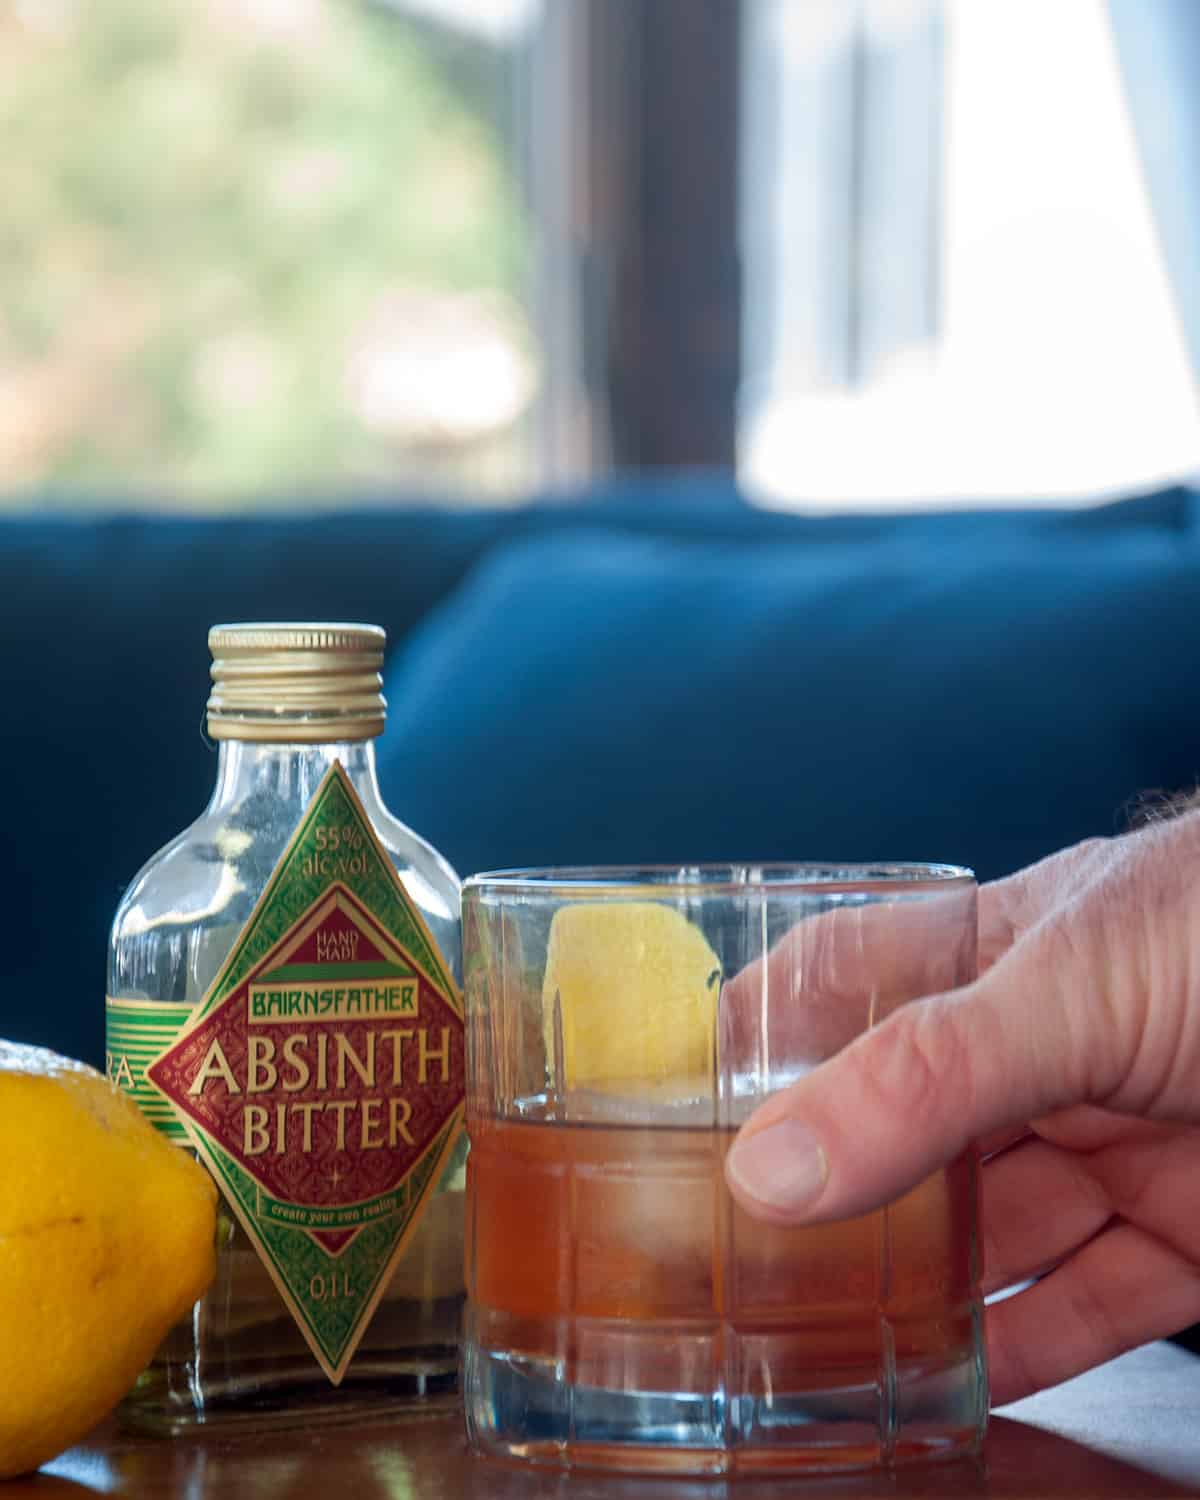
<point x="634" y="985"/>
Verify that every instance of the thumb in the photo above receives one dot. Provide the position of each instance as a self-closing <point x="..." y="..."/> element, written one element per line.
<point x="911" y="1094"/>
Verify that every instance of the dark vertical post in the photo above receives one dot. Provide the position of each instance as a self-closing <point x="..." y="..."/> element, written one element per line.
<point x="636" y="187"/>
<point x="676" y="335"/>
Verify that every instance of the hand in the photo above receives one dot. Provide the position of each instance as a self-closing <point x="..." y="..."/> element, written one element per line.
<point x="1074" y="1062"/>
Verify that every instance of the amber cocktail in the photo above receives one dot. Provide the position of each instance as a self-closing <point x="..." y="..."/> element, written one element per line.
<point x="623" y="1312"/>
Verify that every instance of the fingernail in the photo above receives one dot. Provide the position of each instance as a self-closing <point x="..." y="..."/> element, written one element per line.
<point x="782" y="1167"/>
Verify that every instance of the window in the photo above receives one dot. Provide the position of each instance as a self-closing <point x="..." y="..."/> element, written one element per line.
<point x="972" y="303"/>
<point x="314" y="251"/>
<point x="262" y="249"/>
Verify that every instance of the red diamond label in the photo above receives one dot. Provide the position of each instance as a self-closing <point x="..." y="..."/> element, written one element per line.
<point x="321" y="1078"/>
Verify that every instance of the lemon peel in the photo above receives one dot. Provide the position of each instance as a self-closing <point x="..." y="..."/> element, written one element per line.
<point x="634" y="986"/>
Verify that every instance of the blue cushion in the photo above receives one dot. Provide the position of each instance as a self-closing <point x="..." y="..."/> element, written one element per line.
<point x="105" y="678"/>
<point x="102" y="640"/>
<point x="603" y="697"/>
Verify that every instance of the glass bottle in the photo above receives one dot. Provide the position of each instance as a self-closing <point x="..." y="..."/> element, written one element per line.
<point x="295" y="709"/>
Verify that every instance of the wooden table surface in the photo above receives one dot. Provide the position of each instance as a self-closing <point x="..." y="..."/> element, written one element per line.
<point x="1130" y="1429"/>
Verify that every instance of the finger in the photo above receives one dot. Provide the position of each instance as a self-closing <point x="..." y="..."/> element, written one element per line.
<point x="1008" y="908"/>
<point x="1152" y="1178"/>
<point x="1120" y="1290"/>
<point x="1086" y="1127"/>
<point x="1022" y="1234"/>
<point x="908" y="1096"/>
<point x="1092" y="1129"/>
<point x="996" y="1141"/>
<point x="837" y="972"/>
<point x="1000" y="905"/>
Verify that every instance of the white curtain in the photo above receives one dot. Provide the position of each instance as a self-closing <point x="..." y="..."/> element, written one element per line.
<point x="1159" y="46"/>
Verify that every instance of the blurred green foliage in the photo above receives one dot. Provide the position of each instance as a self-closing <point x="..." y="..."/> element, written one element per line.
<point x="214" y="211"/>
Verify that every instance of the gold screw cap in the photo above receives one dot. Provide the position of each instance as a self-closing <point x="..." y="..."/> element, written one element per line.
<point x="296" y="683"/>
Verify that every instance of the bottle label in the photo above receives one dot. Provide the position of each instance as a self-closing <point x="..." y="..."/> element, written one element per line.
<point x="135" y="1032"/>
<point x="321" y="1078"/>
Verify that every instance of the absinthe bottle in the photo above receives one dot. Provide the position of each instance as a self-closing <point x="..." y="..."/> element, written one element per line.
<point x="283" y="999"/>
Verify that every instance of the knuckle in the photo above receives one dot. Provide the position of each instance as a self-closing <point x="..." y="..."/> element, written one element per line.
<point x="1074" y="1028"/>
<point x="1093" y="1314"/>
<point x="920" y="1072"/>
<point x="1014" y="1367"/>
<point x="1145" y="965"/>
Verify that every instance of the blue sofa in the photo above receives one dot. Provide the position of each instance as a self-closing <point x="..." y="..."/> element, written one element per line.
<point x="655" y="672"/>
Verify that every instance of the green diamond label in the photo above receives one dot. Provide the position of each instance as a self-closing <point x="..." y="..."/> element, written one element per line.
<point x="135" y="1032"/>
<point x="321" y="1078"/>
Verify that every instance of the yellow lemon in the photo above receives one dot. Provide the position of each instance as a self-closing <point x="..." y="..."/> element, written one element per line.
<point x="106" y="1239"/>
<point x="635" y="987"/>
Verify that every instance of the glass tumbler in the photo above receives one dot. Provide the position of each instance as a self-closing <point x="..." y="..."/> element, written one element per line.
<point x="623" y="1311"/>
